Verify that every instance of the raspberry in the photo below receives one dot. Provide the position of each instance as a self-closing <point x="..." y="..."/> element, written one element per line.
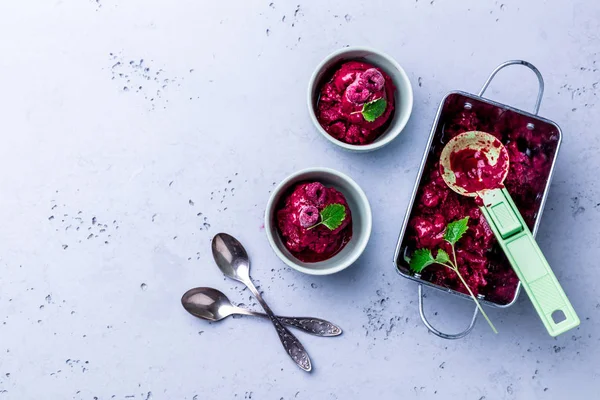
<point x="309" y="215"/>
<point x="316" y="193"/>
<point x="372" y="79"/>
<point x="357" y="94"/>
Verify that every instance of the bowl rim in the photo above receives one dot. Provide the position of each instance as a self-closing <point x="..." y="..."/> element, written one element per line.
<point x="357" y="251"/>
<point x="387" y="136"/>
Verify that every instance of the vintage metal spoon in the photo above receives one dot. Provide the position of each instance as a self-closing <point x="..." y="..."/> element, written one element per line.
<point x="212" y="305"/>
<point x="463" y="164"/>
<point x="232" y="259"/>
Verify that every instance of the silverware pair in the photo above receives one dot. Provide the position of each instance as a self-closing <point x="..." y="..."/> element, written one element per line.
<point x="212" y="305"/>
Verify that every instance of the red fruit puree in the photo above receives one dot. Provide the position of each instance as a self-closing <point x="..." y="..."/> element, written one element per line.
<point x="299" y="210"/>
<point x="342" y="98"/>
<point x="480" y="260"/>
<point x="473" y="171"/>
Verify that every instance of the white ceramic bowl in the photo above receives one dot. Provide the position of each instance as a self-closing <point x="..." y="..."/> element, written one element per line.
<point x="403" y="94"/>
<point x="361" y="220"/>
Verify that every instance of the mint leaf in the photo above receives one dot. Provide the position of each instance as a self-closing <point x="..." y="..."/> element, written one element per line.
<point x="374" y="109"/>
<point x="442" y="257"/>
<point x="332" y="216"/>
<point x="455" y="230"/>
<point x="421" y="259"/>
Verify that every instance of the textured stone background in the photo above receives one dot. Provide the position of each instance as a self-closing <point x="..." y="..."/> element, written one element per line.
<point x="116" y="172"/>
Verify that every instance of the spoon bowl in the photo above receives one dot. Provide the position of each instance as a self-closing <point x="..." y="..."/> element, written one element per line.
<point x="481" y="156"/>
<point x="207" y="303"/>
<point x="231" y="257"/>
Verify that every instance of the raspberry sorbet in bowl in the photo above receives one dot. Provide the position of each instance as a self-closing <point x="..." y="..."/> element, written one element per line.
<point x="357" y="104"/>
<point x="318" y="221"/>
<point x="314" y="221"/>
<point x="359" y="99"/>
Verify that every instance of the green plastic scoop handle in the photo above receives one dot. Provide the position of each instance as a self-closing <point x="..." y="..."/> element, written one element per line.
<point x="515" y="238"/>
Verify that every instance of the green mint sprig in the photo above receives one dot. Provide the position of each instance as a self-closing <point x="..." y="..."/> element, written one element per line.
<point x="373" y="109"/>
<point x="422" y="258"/>
<point x="455" y="230"/>
<point x="332" y="216"/>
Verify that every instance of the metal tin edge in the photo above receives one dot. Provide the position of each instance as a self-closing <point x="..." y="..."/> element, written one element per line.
<point x="420" y="175"/>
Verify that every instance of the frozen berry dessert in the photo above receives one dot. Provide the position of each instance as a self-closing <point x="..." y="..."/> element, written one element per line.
<point x="314" y="222"/>
<point x="479" y="257"/>
<point x="357" y="103"/>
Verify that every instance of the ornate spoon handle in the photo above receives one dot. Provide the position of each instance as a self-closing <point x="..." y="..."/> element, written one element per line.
<point x="290" y="343"/>
<point x="314" y="326"/>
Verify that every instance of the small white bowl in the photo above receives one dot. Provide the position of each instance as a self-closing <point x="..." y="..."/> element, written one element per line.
<point x="360" y="208"/>
<point x="403" y="94"/>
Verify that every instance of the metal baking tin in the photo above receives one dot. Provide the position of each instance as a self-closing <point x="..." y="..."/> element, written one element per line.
<point x="399" y="262"/>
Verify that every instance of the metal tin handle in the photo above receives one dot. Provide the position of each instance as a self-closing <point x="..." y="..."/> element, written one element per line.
<point x="440" y="333"/>
<point x="538" y="101"/>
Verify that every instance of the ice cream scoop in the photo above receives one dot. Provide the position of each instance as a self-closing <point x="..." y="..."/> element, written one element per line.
<point x="475" y="164"/>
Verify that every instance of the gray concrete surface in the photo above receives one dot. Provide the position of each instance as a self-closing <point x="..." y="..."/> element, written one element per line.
<point x="108" y="161"/>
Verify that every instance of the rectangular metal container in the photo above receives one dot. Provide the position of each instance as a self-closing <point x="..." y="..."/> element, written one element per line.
<point x="470" y="100"/>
